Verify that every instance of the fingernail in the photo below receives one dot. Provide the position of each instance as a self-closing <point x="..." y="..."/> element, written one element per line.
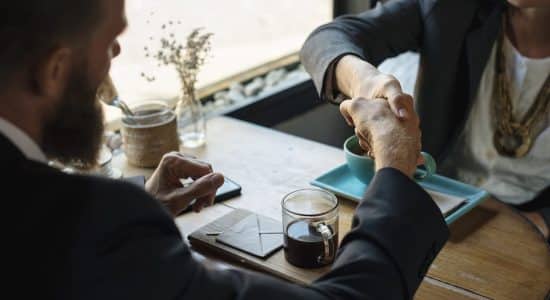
<point x="402" y="113"/>
<point x="217" y="179"/>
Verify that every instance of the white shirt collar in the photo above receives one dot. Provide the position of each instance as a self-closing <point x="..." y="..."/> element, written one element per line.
<point x="22" y="141"/>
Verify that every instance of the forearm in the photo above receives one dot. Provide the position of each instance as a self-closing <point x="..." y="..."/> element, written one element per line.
<point x="388" y="30"/>
<point x="400" y="218"/>
<point x="397" y="232"/>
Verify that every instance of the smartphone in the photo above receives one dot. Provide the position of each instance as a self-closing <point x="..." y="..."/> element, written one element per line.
<point x="228" y="190"/>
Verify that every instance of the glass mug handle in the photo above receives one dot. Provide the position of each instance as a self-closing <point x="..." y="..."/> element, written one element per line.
<point x="329" y="251"/>
<point x="429" y="165"/>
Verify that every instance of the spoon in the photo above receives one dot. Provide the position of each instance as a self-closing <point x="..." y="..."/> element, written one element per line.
<point x="109" y="95"/>
<point x="122" y="106"/>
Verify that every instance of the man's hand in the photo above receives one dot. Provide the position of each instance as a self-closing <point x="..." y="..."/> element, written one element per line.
<point x="358" y="79"/>
<point x="393" y="142"/>
<point x="166" y="186"/>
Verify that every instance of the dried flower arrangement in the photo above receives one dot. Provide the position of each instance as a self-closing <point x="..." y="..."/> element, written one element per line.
<point x="186" y="59"/>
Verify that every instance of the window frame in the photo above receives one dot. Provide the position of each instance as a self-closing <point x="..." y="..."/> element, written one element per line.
<point x="247" y="112"/>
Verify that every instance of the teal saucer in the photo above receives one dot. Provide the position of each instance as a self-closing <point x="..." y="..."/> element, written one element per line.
<point x="341" y="182"/>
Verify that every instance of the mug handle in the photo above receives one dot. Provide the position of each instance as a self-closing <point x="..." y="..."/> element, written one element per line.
<point x="329" y="251"/>
<point x="429" y="164"/>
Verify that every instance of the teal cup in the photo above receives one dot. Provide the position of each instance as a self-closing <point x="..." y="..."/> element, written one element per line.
<point x="362" y="166"/>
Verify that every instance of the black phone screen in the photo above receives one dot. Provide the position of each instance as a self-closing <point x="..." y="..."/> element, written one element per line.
<point x="228" y="190"/>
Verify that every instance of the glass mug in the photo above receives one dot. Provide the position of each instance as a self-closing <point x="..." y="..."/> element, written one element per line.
<point x="310" y="227"/>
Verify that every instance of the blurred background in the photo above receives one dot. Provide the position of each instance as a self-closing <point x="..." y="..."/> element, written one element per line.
<point x="247" y="33"/>
<point x="252" y="72"/>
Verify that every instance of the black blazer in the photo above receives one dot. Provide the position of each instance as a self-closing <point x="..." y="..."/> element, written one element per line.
<point x="79" y="237"/>
<point x="454" y="40"/>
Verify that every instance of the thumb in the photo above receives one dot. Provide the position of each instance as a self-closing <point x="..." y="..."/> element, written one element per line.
<point x="345" y="107"/>
<point x="202" y="187"/>
<point x="401" y="104"/>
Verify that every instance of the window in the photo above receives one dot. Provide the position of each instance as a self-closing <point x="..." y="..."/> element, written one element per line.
<point x="247" y="33"/>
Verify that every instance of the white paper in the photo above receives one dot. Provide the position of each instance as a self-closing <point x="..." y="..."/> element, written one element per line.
<point x="445" y="202"/>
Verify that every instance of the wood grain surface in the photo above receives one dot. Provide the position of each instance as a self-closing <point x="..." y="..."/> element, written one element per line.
<point x="493" y="253"/>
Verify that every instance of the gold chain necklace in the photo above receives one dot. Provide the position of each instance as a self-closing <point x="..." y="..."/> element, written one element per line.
<point x="512" y="137"/>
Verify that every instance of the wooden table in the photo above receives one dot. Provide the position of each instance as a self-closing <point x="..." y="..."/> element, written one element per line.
<point x="493" y="253"/>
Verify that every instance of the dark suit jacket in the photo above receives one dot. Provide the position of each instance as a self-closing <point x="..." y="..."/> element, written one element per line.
<point x="79" y="237"/>
<point x="454" y="40"/>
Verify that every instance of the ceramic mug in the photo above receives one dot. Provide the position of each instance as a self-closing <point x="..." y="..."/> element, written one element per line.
<point x="362" y="166"/>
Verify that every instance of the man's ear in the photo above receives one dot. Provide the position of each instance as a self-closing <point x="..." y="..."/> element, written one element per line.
<point x="53" y="72"/>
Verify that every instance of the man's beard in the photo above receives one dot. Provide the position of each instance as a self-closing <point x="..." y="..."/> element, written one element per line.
<point x="73" y="135"/>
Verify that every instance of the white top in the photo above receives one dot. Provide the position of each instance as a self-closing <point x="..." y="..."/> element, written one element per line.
<point x="512" y="180"/>
<point x="22" y="141"/>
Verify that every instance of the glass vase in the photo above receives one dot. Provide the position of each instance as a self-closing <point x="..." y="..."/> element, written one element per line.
<point x="191" y="121"/>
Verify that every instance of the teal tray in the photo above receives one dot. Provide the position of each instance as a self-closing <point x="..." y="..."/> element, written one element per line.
<point x="341" y="182"/>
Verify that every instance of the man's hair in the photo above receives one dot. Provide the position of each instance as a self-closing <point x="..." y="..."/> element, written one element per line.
<point x="30" y="29"/>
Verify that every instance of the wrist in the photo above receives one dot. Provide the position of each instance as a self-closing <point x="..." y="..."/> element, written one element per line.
<point x="403" y="168"/>
<point x="354" y="76"/>
<point x="396" y="158"/>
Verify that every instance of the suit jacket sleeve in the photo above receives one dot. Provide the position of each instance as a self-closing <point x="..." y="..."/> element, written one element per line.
<point x="388" y="30"/>
<point x="136" y="252"/>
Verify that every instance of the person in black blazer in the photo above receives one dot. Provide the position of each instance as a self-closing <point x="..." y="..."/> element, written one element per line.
<point x="475" y="123"/>
<point x="82" y="237"/>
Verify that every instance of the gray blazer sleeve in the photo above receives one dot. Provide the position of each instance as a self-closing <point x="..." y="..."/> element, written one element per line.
<point x="131" y="249"/>
<point x="386" y="31"/>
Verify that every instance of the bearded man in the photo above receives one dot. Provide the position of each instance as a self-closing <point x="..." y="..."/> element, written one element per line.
<point x="82" y="237"/>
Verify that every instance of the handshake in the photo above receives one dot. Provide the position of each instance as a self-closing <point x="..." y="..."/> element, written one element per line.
<point x="384" y="118"/>
<point x="392" y="141"/>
